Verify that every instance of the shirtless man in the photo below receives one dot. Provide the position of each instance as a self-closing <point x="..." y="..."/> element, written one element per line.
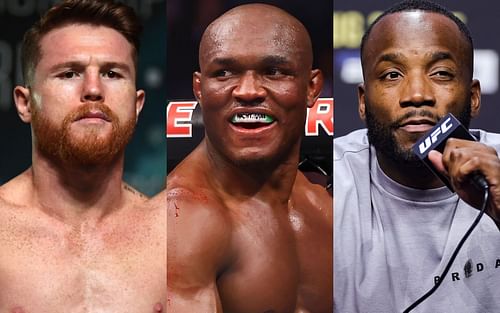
<point x="74" y="237"/>
<point x="247" y="232"/>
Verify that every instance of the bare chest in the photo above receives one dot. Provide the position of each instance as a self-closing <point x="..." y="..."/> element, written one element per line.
<point x="263" y="275"/>
<point x="89" y="270"/>
<point x="315" y="252"/>
<point x="283" y="263"/>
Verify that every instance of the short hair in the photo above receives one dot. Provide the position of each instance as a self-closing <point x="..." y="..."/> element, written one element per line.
<point x="107" y="13"/>
<point x="421" y="5"/>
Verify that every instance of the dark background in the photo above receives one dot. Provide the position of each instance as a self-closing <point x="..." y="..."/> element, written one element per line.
<point x="186" y="21"/>
<point x="350" y="21"/>
<point x="145" y="156"/>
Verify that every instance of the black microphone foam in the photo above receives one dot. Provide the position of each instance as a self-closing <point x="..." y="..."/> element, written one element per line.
<point x="435" y="139"/>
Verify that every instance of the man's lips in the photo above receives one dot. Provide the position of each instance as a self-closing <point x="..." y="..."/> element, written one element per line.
<point x="252" y="128"/>
<point x="94" y="115"/>
<point x="417" y="125"/>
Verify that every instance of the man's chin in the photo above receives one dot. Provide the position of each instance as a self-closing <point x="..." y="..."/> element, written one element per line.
<point x="398" y="152"/>
<point x="252" y="159"/>
<point x="406" y="156"/>
<point x="98" y="153"/>
<point x="88" y="150"/>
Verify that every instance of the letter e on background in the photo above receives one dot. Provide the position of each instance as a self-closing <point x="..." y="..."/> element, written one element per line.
<point x="179" y="115"/>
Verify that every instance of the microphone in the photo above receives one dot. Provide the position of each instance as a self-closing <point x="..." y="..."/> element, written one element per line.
<point x="435" y="139"/>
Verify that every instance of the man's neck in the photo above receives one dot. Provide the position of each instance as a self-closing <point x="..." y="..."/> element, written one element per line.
<point x="71" y="193"/>
<point x="408" y="174"/>
<point x="268" y="182"/>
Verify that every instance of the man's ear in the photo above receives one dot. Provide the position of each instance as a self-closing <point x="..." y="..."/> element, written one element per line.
<point x="22" y="100"/>
<point x="314" y="87"/>
<point x="197" y="86"/>
<point x="139" y="102"/>
<point x="361" y="101"/>
<point x="475" y="97"/>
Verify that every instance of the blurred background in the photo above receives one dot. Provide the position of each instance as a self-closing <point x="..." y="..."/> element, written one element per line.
<point x="351" y="18"/>
<point x="186" y="21"/>
<point x="145" y="165"/>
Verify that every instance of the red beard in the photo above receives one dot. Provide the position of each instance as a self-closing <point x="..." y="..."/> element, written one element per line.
<point x="57" y="143"/>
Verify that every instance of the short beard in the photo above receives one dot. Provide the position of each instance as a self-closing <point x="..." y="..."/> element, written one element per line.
<point x="382" y="137"/>
<point x="56" y="142"/>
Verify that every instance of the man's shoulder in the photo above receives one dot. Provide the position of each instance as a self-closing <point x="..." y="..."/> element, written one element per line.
<point x="191" y="208"/>
<point x="198" y="230"/>
<point x="191" y="198"/>
<point x="313" y="198"/>
<point x="490" y="139"/>
<point x="16" y="191"/>
<point x="5" y="201"/>
<point x="352" y="143"/>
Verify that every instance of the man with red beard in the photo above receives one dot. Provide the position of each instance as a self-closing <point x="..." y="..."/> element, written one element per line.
<point x="74" y="236"/>
<point x="247" y="232"/>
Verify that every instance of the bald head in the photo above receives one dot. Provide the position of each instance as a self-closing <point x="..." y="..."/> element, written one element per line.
<point x="255" y="58"/>
<point x="257" y="26"/>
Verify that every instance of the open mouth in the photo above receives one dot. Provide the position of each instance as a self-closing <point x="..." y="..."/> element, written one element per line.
<point x="252" y="120"/>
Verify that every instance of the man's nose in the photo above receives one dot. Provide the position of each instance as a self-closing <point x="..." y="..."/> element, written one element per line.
<point x="250" y="88"/>
<point x="417" y="91"/>
<point x="92" y="89"/>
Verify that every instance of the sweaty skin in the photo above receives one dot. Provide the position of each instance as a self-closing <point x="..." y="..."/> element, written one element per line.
<point x="247" y="232"/>
<point x="223" y="251"/>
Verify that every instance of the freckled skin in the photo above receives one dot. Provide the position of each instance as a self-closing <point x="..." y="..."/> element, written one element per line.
<point x="73" y="237"/>
<point x="246" y="231"/>
<point x="114" y="265"/>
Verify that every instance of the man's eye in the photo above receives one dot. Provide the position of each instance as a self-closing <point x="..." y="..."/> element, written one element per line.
<point x="391" y="75"/>
<point x="443" y="75"/>
<point x="111" y="74"/>
<point x="274" y="71"/>
<point x="69" y="74"/>
<point x="222" y="73"/>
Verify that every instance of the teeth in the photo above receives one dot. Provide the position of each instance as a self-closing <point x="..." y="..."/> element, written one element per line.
<point x="252" y="118"/>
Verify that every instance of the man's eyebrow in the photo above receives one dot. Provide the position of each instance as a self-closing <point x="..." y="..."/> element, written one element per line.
<point x="225" y="61"/>
<point x="81" y="65"/>
<point x="275" y="60"/>
<point x="398" y="57"/>
<point x="271" y="60"/>
<point x="391" y="57"/>
<point x="119" y="65"/>
<point x="70" y="64"/>
<point x="441" y="55"/>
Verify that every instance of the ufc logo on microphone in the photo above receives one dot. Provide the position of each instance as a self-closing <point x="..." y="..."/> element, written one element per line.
<point x="433" y="137"/>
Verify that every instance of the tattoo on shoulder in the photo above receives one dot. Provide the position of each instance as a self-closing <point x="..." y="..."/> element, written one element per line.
<point x="132" y="190"/>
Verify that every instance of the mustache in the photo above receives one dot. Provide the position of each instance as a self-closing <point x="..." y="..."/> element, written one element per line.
<point x="414" y="113"/>
<point x="89" y="108"/>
